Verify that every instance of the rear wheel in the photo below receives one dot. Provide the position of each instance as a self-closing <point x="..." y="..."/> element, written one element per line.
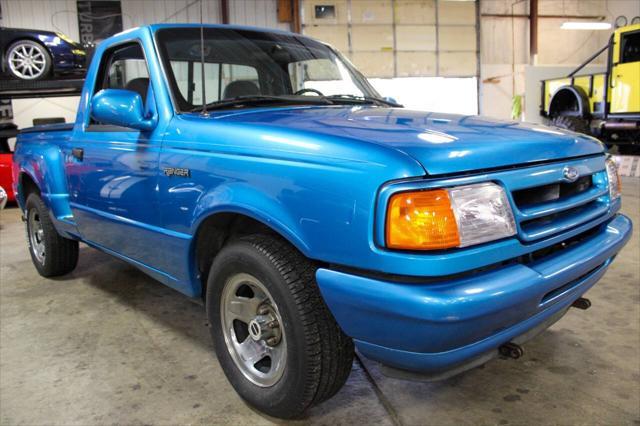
<point x="52" y="254"/>
<point x="275" y="339"/>
<point x="575" y="124"/>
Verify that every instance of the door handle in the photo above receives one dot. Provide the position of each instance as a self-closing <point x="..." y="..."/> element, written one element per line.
<point x="78" y="153"/>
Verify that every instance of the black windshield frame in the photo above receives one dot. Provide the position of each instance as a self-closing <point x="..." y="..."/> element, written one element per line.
<point x="181" y="104"/>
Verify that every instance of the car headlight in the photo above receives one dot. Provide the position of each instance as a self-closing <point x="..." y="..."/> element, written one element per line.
<point x="615" y="185"/>
<point x="66" y="38"/>
<point x="445" y="218"/>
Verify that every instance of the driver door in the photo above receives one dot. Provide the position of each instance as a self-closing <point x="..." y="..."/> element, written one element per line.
<point x="625" y="74"/>
<point x="113" y="171"/>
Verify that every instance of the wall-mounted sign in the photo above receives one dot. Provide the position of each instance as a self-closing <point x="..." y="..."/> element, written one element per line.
<point x="98" y="20"/>
<point x="326" y="11"/>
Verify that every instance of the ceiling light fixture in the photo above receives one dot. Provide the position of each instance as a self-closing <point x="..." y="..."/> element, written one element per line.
<point x="585" y="26"/>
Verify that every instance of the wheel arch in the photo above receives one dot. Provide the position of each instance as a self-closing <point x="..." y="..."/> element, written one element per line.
<point x="20" y="38"/>
<point x="26" y="37"/>
<point x="217" y="228"/>
<point x="569" y="100"/>
<point x="26" y="185"/>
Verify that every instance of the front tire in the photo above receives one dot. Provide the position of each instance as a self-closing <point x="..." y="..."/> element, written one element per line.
<point x="575" y="124"/>
<point x="276" y="340"/>
<point x="52" y="254"/>
<point x="28" y="60"/>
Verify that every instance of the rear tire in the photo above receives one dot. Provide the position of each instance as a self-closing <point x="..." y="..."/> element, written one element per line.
<point x="52" y="254"/>
<point x="317" y="355"/>
<point x="575" y="124"/>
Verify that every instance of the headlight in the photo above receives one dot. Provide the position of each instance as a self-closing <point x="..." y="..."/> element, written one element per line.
<point x="615" y="186"/>
<point x="78" y="52"/>
<point x="445" y="218"/>
<point x="65" y="38"/>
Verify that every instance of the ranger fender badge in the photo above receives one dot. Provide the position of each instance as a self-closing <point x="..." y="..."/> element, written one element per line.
<point x="174" y="171"/>
<point x="570" y="174"/>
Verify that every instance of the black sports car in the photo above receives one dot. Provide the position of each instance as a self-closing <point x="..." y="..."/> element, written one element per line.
<point x="36" y="54"/>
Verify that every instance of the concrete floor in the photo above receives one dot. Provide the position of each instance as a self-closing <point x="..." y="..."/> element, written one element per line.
<point x="108" y="345"/>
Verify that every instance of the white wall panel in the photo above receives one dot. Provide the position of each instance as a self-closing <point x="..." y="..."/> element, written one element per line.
<point x="256" y="13"/>
<point x="439" y="94"/>
<point x="141" y="12"/>
<point x="260" y="13"/>
<point x="50" y="15"/>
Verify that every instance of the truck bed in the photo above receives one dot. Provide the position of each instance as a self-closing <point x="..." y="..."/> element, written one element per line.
<point x="58" y="127"/>
<point x="592" y="85"/>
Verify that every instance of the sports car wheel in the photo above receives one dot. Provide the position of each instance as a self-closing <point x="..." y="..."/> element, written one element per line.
<point x="28" y="60"/>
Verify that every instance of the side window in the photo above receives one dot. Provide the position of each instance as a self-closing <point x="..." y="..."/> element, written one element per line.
<point x="125" y="68"/>
<point x="222" y="81"/>
<point x="630" y="47"/>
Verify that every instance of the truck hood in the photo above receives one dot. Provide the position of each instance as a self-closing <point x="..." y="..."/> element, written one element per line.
<point x="442" y="143"/>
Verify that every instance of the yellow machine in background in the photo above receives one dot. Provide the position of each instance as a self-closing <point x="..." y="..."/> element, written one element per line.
<point x="578" y="102"/>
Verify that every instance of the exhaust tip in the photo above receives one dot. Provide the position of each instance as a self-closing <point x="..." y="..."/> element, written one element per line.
<point x="511" y="350"/>
<point x="582" y="303"/>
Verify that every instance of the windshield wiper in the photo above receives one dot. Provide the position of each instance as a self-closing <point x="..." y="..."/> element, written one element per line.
<point x="363" y="100"/>
<point x="247" y="101"/>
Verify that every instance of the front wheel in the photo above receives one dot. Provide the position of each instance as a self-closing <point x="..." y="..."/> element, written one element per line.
<point x="275" y="339"/>
<point x="52" y="254"/>
<point x="28" y="60"/>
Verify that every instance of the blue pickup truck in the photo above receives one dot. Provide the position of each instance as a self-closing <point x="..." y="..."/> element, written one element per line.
<point x="259" y="172"/>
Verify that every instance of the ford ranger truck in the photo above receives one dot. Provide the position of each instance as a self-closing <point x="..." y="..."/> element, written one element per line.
<point x="310" y="215"/>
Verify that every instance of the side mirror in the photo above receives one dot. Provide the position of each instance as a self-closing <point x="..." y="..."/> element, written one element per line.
<point x="390" y="99"/>
<point x="121" y="108"/>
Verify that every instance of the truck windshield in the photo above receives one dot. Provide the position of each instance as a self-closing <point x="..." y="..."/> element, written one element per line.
<point x="246" y="68"/>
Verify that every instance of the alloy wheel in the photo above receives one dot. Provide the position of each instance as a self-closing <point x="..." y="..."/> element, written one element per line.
<point x="27" y="61"/>
<point x="253" y="330"/>
<point x="36" y="235"/>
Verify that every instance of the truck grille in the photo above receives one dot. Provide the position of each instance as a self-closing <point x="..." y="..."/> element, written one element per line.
<point x="553" y="207"/>
<point x="551" y="192"/>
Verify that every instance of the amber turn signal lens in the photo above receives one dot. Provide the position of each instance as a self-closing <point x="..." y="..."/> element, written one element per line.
<point x="421" y="220"/>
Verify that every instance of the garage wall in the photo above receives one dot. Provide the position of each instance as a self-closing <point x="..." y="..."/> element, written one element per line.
<point x="257" y="13"/>
<point x="423" y="53"/>
<point x="398" y="38"/>
<point x="142" y="12"/>
<point x="61" y="15"/>
<point x="260" y="13"/>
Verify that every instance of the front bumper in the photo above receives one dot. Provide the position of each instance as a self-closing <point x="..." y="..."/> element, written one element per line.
<point x="67" y="62"/>
<point x="435" y="326"/>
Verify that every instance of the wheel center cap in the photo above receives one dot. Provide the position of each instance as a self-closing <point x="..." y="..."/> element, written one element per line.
<point x="255" y="331"/>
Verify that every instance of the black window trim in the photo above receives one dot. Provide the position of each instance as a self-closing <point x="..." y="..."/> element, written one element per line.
<point x="100" y="80"/>
<point x="623" y="37"/>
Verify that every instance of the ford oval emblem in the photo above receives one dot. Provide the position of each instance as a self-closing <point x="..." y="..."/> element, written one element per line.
<point x="570" y="174"/>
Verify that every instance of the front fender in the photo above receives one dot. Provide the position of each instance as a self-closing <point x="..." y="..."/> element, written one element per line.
<point x="240" y="198"/>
